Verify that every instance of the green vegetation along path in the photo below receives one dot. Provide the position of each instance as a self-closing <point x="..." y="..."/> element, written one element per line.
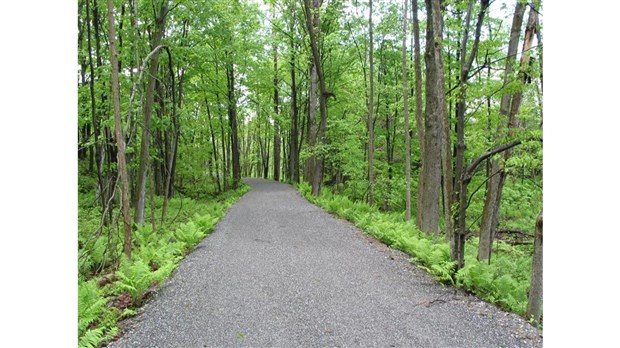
<point x="280" y="272"/>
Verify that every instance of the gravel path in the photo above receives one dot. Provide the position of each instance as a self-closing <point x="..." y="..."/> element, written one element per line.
<point x="280" y="272"/>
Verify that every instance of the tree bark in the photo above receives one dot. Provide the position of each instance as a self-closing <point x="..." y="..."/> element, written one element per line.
<point x="457" y="240"/>
<point x="534" y="303"/>
<point x="93" y="106"/>
<point x="293" y="148"/>
<point x="490" y="216"/>
<point x="311" y="124"/>
<point x="418" y="110"/>
<point x="213" y="147"/>
<point x="458" y="246"/>
<point x="160" y="22"/>
<point x="232" y="120"/>
<point x="370" y="121"/>
<point x="406" y="116"/>
<point x="313" y="30"/>
<point x="431" y="170"/>
<point x="276" y="127"/>
<point x="225" y="158"/>
<point x="175" y="142"/>
<point x="120" y="139"/>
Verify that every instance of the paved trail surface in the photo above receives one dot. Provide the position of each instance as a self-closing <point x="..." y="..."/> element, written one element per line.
<point x="280" y="272"/>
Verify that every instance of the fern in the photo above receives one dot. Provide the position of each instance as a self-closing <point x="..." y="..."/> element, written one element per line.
<point x="189" y="234"/>
<point x="134" y="277"/>
<point x="91" y="339"/>
<point x="207" y="222"/>
<point x="91" y="305"/>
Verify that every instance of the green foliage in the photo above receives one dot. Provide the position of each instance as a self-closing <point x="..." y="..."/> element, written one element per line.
<point x="188" y="234"/>
<point x="91" y="304"/>
<point x="96" y="323"/>
<point x="504" y="282"/>
<point x="134" y="277"/>
<point x="155" y="255"/>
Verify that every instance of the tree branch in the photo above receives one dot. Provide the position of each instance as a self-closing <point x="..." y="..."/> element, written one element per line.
<point x="472" y="167"/>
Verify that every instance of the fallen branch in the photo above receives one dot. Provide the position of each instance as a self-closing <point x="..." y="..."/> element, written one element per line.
<point x="516" y="232"/>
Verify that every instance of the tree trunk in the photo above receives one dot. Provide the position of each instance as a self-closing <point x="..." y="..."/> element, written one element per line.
<point x="225" y="158"/>
<point x="311" y="124"/>
<point x="406" y="115"/>
<point x="120" y="139"/>
<point x="370" y="121"/>
<point x="276" y="127"/>
<point x="313" y="30"/>
<point x="418" y="110"/>
<point x="457" y="240"/>
<point x="534" y="303"/>
<point x="175" y="142"/>
<point x="93" y="110"/>
<point x="433" y="128"/>
<point x="213" y="146"/>
<point x="158" y="34"/>
<point x="232" y="120"/>
<point x="108" y="152"/>
<point x="438" y="84"/>
<point x="293" y="148"/>
<point x="490" y="216"/>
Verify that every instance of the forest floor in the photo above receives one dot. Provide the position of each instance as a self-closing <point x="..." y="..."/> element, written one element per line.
<point x="279" y="271"/>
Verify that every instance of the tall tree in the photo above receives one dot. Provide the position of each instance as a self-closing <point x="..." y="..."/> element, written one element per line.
<point x="457" y="241"/>
<point x="294" y="146"/>
<point x="232" y="116"/>
<point x="406" y="115"/>
<point x="418" y="114"/>
<point x="316" y="57"/>
<point x="158" y="33"/>
<point x="93" y="110"/>
<point x="276" y="120"/>
<point x="371" y="131"/>
<point x="433" y="125"/>
<point x="490" y="217"/>
<point x="309" y="166"/>
<point x="118" y="128"/>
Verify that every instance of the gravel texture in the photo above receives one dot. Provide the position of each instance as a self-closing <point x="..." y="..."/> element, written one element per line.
<point x="280" y="272"/>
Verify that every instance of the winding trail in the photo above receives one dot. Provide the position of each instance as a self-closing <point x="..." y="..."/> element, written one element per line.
<point x="280" y="272"/>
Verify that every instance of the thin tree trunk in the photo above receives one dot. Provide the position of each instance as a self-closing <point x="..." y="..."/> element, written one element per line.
<point x="311" y="124"/>
<point x="148" y="110"/>
<point x="175" y="143"/>
<point x="120" y="139"/>
<point x="490" y="216"/>
<point x="93" y="110"/>
<point x="457" y="241"/>
<point x="534" y="303"/>
<point x="213" y="146"/>
<point x="276" y="127"/>
<point x="293" y="151"/>
<point x="232" y="120"/>
<point x="107" y="149"/>
<point x="152" y="199"/>
<point x="370" y="121"/>
<point x="418" y="108"/>
<point x="222" y="132"/>
<point x="406" y="116"/>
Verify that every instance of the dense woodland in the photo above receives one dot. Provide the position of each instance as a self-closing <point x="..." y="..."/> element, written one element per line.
<point x="419" y="116"/>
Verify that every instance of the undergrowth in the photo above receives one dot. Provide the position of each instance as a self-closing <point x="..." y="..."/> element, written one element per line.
<point x="504" y="282"/>
<point x="112" y="287"/>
